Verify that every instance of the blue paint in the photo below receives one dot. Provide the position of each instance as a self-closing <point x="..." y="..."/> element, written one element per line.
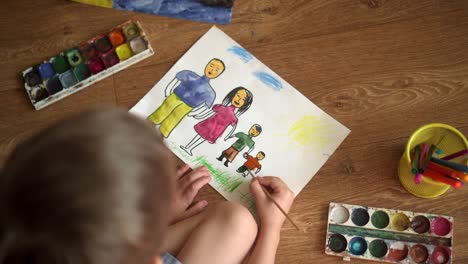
<point x="357" y="246"/>
<point x="46" y="71"/>
<point x="185" y="9"/>
<point x="240" y="52"/>
<point x="269" y="80"/>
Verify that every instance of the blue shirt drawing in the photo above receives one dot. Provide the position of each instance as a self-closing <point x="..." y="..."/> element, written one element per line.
<point x="194" y="90"/>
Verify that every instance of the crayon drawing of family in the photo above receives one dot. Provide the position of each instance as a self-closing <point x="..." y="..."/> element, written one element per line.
<point x="190" y="94"/>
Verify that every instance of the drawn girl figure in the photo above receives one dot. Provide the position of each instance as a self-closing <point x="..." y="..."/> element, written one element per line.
<point x="220" y="117"/>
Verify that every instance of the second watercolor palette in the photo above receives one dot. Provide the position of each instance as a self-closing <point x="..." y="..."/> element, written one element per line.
<point x="388" y="235"/>
<point x="91" y="61"/>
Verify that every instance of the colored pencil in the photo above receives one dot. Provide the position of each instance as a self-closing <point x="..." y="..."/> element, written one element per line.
<point x="455" y="166"/>
<point x="441" y="178"/>
<point x="417" y="151"/>
<point x="427" y="158"/>
<point x="456" y="155"/>
<point x="447" y="171"/>
<point x="276" y="203"/>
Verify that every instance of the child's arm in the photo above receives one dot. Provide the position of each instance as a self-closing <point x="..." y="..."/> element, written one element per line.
<point x="270" y="217"/>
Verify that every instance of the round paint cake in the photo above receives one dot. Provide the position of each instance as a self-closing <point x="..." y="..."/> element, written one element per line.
<point x="357" y="246"/>
<point x="440" y="255"/>
<point x="339" y="214"/>
<point x="420" y="224"/>
<point x="380" y="219"/>
<point x="400" y="222"/>
<point x="419" y="253"/>
<point x="337" y="243"/>
<point x="398" y="251"/>
<point x="441" y="226"/>
<point x="378" y="248"/>
<point x="360" y="216"/>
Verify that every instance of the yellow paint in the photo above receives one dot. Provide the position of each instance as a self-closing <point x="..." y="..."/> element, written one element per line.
<point x="124" y="52"/>
<point x="103" y="3"/>
<point x="310" y="131"/>
<point x="400" y="222"/>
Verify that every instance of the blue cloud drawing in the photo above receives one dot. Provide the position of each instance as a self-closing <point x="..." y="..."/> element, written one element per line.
<point x="240" y="52"/>
<point x="269" y="80"/>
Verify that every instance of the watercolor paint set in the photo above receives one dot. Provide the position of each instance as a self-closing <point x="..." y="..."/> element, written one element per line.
<point x="388" y="235"/>
<point x="81" y="66"/>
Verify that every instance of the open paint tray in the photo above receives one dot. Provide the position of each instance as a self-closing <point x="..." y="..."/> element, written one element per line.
<point x="93" y="60"/>
<point x="388" y="235"/>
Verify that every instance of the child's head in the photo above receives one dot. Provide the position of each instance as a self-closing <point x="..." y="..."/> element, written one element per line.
<point x="241" y="98"/>
<point x="91" y="189"/>
<point x="255" y="130"/>
<point x="260" y="155"/>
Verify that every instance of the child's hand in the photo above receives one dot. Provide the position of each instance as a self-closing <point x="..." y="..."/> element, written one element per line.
<point x="270" y="216"/>
<point x="187" y="187"/>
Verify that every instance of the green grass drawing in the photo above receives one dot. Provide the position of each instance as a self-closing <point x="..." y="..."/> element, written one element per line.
<point x="223" y="179"/>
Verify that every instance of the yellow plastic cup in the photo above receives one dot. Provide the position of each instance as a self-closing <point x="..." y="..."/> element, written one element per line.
<point x="451" y="140"/>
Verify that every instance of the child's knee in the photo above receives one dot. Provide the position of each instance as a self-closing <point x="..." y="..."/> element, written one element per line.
<point x="237" y="218"/>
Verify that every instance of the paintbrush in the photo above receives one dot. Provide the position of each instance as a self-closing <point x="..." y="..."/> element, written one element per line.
<point x="275" y="202"/>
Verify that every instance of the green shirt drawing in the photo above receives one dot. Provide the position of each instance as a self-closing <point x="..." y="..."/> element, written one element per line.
<point x="244" y="140"/>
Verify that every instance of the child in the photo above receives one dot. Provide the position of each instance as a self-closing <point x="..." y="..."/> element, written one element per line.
<point x="243" y="140"/>
<point x="236" y="102"/>
<point x="101" y="188"/>
<point x="251" y="163"/>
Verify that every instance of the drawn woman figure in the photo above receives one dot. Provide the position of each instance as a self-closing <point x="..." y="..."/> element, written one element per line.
<point x="220" y="117"/>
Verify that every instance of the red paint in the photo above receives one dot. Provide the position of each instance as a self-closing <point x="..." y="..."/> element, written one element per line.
<point x="440" y="255"/>
<point x="213" y="127"/>
<point x="441" y="226"/>
<point x="398" y="251"/>
<point x="110" y="59"/>
<point x="96" y="66"/>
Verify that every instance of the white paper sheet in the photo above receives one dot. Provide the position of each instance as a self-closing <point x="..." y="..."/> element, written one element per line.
<point x="297" y="137"/>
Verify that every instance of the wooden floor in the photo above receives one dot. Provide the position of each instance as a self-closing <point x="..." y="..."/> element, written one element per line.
<point x="381" y="67"/>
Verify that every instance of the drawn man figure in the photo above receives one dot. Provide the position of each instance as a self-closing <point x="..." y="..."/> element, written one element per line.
<point x="187" y="92"/>
<point x="243" y="140"/>
<point x="251" y="163"/>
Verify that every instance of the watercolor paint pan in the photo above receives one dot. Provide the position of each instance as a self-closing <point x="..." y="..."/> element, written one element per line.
<point x="388" y="235"/>
<point x="85" y="64"/>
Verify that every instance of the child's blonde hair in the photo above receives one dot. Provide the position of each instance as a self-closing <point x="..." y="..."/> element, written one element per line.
<point x="93" y="189"/>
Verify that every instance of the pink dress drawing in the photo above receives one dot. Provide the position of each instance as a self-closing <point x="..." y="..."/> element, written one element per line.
<point x="213" y="127"/>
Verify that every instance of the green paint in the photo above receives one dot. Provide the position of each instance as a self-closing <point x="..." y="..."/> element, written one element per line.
<point x="364" y="232"/>
<point x="81" y="72"/>
<point x="378" y="248"/>
<point x="60" y="64"/>
<point x="380" y="219"/>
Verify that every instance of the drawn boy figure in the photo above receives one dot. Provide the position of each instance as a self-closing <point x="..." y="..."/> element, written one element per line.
<point x="187" y="92"/>
<point x="243" y="140"/>
<point x="251" y="163"/>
